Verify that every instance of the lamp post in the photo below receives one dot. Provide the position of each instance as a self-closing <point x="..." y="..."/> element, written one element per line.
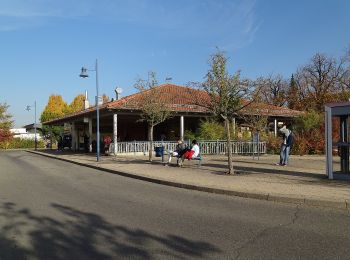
<point x="83" y="74"/>
<point x="35" y="139"/>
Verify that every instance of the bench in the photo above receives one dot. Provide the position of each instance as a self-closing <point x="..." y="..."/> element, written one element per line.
<point x="198" y="158"/>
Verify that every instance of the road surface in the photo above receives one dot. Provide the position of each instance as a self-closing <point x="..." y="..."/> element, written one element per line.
<point x="51" y="209"/>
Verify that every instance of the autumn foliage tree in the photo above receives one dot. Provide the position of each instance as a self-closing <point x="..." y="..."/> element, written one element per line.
<point x="5" y="123"/>
<point x="56" y="107"/>
<point x="77" y="104"/>
<point x="105" y="98"/>
<point x="319" y="81"/>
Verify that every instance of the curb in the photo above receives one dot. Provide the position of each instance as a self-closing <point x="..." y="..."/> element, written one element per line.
<point x="250" y="195"/>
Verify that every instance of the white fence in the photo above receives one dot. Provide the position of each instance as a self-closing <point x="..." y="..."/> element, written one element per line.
<point x="206" y="147"/>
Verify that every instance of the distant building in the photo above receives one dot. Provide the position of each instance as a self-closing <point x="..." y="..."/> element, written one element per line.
<point x="22" y="133"/>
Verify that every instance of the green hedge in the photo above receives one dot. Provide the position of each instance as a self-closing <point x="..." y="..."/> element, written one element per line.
<point x="17" y="143"/>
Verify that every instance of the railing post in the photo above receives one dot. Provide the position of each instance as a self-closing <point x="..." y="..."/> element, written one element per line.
<point x="134" y="148"/>
<point x="217" y="147"/>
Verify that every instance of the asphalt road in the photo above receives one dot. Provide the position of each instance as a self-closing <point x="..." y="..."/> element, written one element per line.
<point x="51" y="209"/>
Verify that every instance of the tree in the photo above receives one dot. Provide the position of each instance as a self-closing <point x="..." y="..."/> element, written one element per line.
<point x="271" y="90"/>
<point x="345" y="75"/>
<point x="56" y="107"/>
<point x="319" y="80"/>
<point x="77" y="104"/>
<point x="5" y="123"/>
<point x="105" y="98"/>
<point x="225" y="93"/>
<point x="153" y="108"/>
<point x="253" y="118"/>
<point x="293" y="96"/>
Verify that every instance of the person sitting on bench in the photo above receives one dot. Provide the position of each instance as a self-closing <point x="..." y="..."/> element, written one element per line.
<point x="181" y="147"/>
<point x="190" y="153"/>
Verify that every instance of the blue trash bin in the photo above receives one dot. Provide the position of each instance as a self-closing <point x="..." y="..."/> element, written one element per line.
<point x="159" y="151"/>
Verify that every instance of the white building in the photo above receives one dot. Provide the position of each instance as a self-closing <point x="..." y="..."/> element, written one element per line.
<point x="23" y="134"/>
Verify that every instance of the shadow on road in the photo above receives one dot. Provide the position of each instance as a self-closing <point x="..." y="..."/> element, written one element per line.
<point x="82" y="235"/>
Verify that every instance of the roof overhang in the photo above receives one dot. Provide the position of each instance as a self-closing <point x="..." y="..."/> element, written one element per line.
<point x="339" y="109"/>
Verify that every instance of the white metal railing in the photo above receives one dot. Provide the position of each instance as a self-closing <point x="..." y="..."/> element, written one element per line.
<point x="206" y="147"/>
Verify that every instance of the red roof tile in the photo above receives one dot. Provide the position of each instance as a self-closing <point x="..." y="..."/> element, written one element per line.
<point x="184" y="99"/>
<point x="177" y="98"/>
<point x="187" y="99"/>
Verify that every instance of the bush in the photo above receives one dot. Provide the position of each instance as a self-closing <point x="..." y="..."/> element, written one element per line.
<point x="211" y="131"/>
<point x="190" y="135"/>
<point x="17" y="143"/>
<point x="273" y="144"/>
<point x="308" y="121"/>
<point x="311" y="142"/>
<point x="5" y="135"/>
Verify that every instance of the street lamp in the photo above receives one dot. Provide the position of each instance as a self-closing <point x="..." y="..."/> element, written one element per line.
<point x="35" y="139"/>
<point x="84" y="74"/>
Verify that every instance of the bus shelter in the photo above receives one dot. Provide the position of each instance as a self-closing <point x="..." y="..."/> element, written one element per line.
<point x="337" y="140"/>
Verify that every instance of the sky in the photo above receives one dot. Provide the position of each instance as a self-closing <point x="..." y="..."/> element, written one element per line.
<point x="44" y="43"/>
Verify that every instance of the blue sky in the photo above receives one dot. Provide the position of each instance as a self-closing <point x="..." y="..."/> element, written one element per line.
<point x="44" y="43"/>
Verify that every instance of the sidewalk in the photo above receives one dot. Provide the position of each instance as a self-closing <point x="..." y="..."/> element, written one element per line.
<point x="302" y="182"/>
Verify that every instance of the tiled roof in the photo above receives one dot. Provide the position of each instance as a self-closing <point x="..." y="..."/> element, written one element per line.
<point x="177" y="98"/>
<point x="270" y="110"/>
<point x="184" y="99"/>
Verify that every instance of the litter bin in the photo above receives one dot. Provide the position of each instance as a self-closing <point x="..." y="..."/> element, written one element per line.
<point x="159" y="151"/>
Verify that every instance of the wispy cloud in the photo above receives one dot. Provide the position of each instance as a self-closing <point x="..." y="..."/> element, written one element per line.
<point x="19" y="14"/>
<point x="229" y="23"/>
<point x="44" y="8"/>
<point x="233" y="24"/>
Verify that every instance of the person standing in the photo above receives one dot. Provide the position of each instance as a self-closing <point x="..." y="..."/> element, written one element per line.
<point x="285" y="146"/>
<point x="106" y="142"/>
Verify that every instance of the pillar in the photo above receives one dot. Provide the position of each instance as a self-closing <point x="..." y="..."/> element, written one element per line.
<point x="329" y="143"/>
<point x="182" y="127"/>
<point x="90" y="134"/>
<point x="234" y="127"/>
<point x="115" y="132"/>
<point x="77" y="141"/>
<point x="344" y="139"/>
<point x="50" y="133"/>
<point x="275" y="125"/>
<point x="74" y="136"/>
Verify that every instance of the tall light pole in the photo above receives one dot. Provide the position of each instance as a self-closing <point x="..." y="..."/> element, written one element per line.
<point x="83" y="74"/>
<point x="35" y="139"/>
